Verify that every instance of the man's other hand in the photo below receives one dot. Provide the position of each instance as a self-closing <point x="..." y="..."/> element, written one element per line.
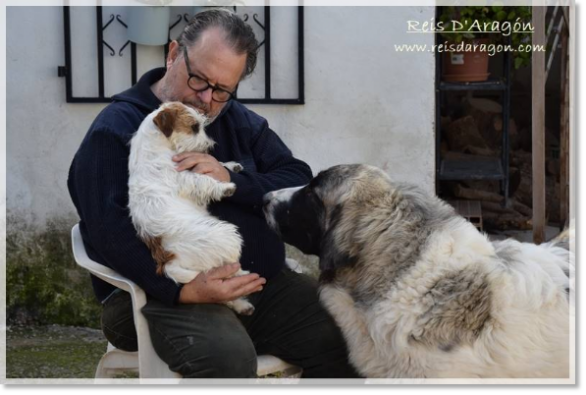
<point x="217" y="286"/>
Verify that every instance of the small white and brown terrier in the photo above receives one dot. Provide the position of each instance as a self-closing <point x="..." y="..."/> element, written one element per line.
<point x="169" y="207"/>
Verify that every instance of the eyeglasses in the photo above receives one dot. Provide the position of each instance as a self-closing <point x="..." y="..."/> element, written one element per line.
<point x="199" y="84"/>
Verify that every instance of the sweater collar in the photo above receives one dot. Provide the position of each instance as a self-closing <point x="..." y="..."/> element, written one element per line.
<point x="141" y="94"/>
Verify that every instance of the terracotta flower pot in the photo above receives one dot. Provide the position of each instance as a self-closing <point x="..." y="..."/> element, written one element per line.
<point x="468" y="66"/>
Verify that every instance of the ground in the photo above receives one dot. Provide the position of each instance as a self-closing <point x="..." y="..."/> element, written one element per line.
<point x="53" y="351"/>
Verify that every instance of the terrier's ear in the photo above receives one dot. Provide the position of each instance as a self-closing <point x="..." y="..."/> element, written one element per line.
<point x="165" y="121"/>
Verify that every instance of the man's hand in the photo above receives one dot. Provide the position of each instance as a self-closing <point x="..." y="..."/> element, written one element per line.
<point x="216" y="286"/>
<point x="202" y="164"/>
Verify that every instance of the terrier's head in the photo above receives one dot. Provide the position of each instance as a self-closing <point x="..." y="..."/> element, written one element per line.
<point x="183" y="126"/>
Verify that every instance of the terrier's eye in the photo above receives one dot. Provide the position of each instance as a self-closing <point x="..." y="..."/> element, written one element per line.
<point x="195" y="127"/>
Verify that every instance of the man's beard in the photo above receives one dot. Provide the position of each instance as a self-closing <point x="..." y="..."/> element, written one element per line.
<point x="202" y="109"/>
<point x="209" y="120"/>
<point x="205" y="112"/>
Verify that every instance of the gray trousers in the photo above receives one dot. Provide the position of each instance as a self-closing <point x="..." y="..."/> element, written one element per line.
<point x="211" y="341"/>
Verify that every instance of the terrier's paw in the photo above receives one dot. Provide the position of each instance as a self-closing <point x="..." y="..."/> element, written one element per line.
<point x="241" y="306"/>
<point x="249" y="310"/>
<point x="237" y="168"/>
<point x="233" y="166"/>
<point x="229" y="190"/>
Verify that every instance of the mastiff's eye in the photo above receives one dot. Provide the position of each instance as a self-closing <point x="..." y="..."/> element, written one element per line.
<point x="311" y="193"/>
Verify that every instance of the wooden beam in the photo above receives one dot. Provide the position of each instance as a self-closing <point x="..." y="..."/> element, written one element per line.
<point x="564" y="132"/>
<point x="538" y="124"/>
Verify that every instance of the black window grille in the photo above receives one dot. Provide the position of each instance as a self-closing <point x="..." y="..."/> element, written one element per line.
<point x="258" y="17"/>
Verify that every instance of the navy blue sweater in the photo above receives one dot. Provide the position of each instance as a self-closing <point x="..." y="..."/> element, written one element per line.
<point x="98" y="185"/>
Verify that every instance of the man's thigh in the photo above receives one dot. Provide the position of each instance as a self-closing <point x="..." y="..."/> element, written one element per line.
<point x="290" y="322"/>
<point x="201" y="340"/>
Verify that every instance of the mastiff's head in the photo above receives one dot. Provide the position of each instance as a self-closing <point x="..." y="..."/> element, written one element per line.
<point x="320" y="218"/>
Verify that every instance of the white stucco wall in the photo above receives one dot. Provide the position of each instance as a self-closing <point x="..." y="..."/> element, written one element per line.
<point x="364" y="102"/>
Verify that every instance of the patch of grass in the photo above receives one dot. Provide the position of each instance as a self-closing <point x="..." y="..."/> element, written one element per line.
<point x="68" y="360"/>
<point x="53" y="352"/>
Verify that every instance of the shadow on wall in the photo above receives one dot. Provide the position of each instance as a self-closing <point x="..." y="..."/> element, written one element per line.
<point x="43" y="283"/>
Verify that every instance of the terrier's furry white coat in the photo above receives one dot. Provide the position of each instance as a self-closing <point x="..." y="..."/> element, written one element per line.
<point x="169" y="207"/>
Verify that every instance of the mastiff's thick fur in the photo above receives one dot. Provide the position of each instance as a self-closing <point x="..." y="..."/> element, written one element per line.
<point x="417" y="290"/>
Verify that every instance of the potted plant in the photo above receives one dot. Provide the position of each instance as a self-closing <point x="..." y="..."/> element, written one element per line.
<point x="149" y="25"/>
<point x="472" y="34"/>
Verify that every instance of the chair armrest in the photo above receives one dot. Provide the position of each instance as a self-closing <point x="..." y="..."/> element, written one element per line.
<point x="104" y="272"/>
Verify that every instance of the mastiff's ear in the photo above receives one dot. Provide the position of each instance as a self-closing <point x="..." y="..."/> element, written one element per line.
<point x="333" y="255"/>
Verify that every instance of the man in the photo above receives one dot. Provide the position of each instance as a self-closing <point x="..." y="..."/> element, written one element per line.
<point x="190" y="331"/>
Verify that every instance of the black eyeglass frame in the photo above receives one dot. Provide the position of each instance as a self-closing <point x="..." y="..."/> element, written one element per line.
<point x="231" y="95"/>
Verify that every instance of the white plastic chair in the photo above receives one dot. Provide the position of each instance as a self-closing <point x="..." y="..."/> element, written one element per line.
<point x="145" y="361"/>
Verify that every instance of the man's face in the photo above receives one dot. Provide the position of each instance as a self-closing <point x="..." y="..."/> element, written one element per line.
<point x="211" y="59"/>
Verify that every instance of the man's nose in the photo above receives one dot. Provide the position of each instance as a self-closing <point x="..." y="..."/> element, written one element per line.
<point x="206" y="96"/>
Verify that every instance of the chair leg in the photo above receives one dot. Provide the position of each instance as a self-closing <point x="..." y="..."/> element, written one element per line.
<point x="102" y="372"/>
<point x="269" y="364"/>
<point x="116" y="362"/>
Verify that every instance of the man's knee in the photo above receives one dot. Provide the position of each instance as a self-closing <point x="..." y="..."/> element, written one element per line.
<point x="118" y="321"/>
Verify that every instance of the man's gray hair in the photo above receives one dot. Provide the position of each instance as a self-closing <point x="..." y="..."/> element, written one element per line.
<point x="239" y="35"/>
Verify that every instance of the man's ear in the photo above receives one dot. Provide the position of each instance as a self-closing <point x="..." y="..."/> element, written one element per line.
<point x="165" y="121"/>
<point x="173" y="53"/>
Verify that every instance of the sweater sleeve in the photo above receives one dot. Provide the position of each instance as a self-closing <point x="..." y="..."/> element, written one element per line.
<point x="276" y="169"/>
<point x="101" y="189"/>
